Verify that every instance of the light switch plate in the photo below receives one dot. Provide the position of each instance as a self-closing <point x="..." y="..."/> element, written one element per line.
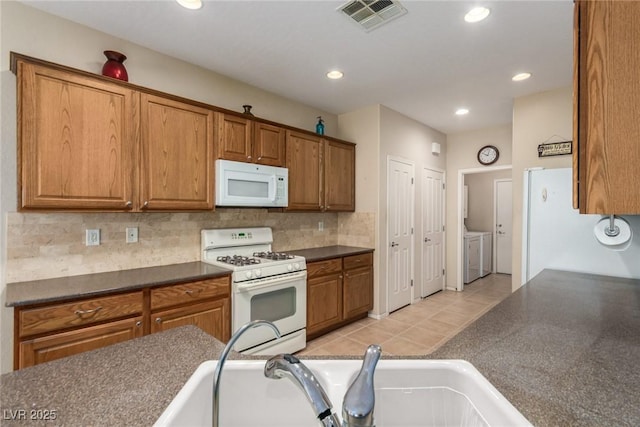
<point x="92" y="237"/>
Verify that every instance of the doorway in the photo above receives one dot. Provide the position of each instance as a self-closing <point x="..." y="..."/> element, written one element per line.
<point x="477" y="199"/>
<point x="400" y="205"/>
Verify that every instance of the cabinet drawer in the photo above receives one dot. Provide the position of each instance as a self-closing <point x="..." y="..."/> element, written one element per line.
<point x="355" y="261"/>
<point x="321" y="268"/>
<point x="51" y="347"/>
<point x="190" y="292"/>
<point x="78" y="313"/>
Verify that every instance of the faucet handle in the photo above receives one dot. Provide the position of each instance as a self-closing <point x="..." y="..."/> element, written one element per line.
<point x="359" y="401"/>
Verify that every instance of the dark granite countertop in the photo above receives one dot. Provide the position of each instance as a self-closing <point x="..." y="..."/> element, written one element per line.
<point x="328" y="252"/>
<point x="563" y="349"/>
<point x="87" y="285"/>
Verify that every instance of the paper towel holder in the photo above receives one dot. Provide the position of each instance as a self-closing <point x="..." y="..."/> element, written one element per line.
<point x="613" y="232"/>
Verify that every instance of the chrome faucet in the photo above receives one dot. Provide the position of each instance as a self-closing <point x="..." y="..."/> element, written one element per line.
<point x="223" y="358"/>
<point x="287" y="365"/>
<point x="357" y="407"/>
<point x="358" y="403"/>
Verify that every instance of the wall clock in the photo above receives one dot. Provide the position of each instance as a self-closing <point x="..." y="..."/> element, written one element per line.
<point x="488" y="155"/>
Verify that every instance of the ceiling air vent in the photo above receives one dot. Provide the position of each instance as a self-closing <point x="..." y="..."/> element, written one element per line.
<point x="370" y="14"/>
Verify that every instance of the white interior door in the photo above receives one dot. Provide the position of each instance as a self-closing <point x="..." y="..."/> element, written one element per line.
<point x="504" y="234"/>
<point x="400" y="198"/>
<point x="432" y="232"/>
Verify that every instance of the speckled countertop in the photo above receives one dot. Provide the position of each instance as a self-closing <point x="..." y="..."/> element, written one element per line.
<point x="49" y="290"/>
<point x="328" y="252"/>
<point x="563" y="349"/>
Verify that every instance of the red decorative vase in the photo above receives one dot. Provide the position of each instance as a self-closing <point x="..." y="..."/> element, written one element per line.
<point x="114" y="66"/>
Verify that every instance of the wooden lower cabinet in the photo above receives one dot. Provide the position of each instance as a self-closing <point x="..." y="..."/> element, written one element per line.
<point x="339" y="292"/>
<point x="327" y="289"/>
<point x="47" y="332"/>
<point x="55" y="346"/>
<point x="357" y="292"/>
<point x="212" y="317"/>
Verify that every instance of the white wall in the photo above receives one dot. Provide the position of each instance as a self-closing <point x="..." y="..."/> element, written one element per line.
<point x="386" y="132"/>
<point x="406" y="138"/>
<point x="462" y="150"/>
<point x="539" y="118"/>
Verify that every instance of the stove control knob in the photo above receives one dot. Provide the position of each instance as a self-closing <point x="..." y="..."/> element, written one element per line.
<point x="249" y="274"/>
<point x="290" y="267"/>
<point x="258" y="273"/>
<point x="296" y="266"/>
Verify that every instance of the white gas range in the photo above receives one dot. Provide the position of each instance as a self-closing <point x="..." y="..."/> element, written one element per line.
<point x="265" y="285"/>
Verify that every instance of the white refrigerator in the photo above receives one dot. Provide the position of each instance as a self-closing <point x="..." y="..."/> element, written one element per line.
<point x="556" y="236"/>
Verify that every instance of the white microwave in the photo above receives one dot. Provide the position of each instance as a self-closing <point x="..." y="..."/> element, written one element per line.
<point x="249" y="184"/>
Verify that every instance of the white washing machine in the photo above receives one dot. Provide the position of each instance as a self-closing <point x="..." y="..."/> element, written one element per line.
<point x="484" y="256"/>
<point x="471" y="257"/>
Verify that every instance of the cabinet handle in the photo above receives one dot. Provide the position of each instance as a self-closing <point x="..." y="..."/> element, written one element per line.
<point x="340" y="276"/>
<point x="90" y="313"/>
<point x="249" y="157"/>
<point x="260" y="158"/>
<point x="129" y="204"/>
<point x="193" y="293"/>
<point x="158" y="320"/>
<point x="346" y="274"/>
<point x="145" y="205"/>
<point x="138" y="323"/>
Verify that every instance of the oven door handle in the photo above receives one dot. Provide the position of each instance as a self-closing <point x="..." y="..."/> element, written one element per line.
<point x="268" y="283"/>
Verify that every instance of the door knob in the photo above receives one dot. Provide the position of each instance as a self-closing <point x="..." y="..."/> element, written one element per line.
<point x="394" y="244"/>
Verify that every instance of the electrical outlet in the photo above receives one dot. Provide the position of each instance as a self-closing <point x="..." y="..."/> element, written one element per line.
<point x="132" y="234"/>
<point x="92" y="237"/>
<point x="320" y="225"/>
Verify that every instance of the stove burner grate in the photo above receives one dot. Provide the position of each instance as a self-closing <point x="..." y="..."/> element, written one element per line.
<point x="273" y="255"/>
<point x="238" y="260"/>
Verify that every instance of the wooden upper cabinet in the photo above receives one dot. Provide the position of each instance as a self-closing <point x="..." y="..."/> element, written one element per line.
<point x="339" y="176"/>
<point x="234" y="138"/>
<point x="606" y="101"/>
<point x="269" y="144"/>
<point x="76" y="136"/>
<point x="177" y="155"/>
<point x="243" y="140"/>
<point x="304" y="161"/>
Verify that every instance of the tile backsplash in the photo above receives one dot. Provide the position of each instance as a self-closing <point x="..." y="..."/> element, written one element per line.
<point x="42" y="246"/>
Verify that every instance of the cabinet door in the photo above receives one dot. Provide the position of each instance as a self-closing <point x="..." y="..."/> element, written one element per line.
<point x="212" y="317"/>
<point x="234" y="138"/>
<point x="177" y="155"/>
<point x="339" y="176"/>
<point x="268" y="145"/>
<point x="607" y="153"/>
<point x="76" y="141"/>
<point x="51" y="347"/>
<point x="324" y="302"/>
<point x="358" y="291"/>
<point x="304" y="160"/>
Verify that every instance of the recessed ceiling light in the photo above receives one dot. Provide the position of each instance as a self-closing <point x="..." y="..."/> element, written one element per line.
<point x="477" y="14"/>
<point x="190" y="4"/>
<point x="521" y="76"/>
<point x="335" y="74"/>
<point x="462" y="111"/>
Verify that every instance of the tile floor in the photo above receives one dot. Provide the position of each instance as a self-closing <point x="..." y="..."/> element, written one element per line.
<point x="419" y="328"/>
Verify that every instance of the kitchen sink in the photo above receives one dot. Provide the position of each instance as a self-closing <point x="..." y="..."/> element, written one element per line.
<point x="413" y="393"/>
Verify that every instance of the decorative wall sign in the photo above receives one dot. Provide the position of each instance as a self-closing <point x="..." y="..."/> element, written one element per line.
<point x="555" y="148"/>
